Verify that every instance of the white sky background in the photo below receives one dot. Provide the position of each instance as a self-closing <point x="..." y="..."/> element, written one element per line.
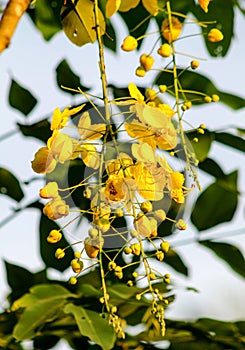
<point x="32" y="62"/>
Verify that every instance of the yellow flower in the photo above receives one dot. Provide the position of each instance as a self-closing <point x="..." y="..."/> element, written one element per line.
<point x="171" y="33"/>
<point x="93" y="246"/>
<point x="90" y="131"/>
<point x="59" y="254"/>
<point x="56" y="209"/>
<point x="215" y="35"/>
<point x="59" y="119"/>
<point x="115" y="189"/>
<point x="204" y="4"/>
<point x="122" y="166"/>
<point x="155" y="128"/>
<point x="143" y="153"/>
<point x="49" y="191"/>
<point x="54" y="236"/>
<point x="43" y="161"/>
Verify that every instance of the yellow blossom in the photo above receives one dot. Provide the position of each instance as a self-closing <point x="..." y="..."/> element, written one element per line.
<point x="171" y="33"/>
<point x="59" y="254"/>
<point x="56" y="209"/>
<point x="155" y="128"/>
<point x="176" y="186"/>
<point x="215" y="35"/>
<point x="115" y="188"/>
<point x="43" y="161"/>
<point x="122" y="166"/>
<point x="59" y="119"/>
<point x="90" y="131"/>
<point x="50" y="190"/>
<point x="143" y="152"/>
<point x="93" y="246"/>
<point x="204" y="4"/>
<point x="112" y="6"/>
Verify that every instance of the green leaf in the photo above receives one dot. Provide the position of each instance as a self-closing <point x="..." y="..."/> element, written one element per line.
<point x="217" y="203"/>
<point x="21" y="98"/>
<point x="10" y="185"/>
<point x="202" y="147"/>
<point x="47" y="250"/>
<point x="222" y="17"/>
<point x="174" y="260"/>
<point x="45" y="304"/>
<point x="77" y="18"/>
<point x="196" y="82"/>
<point x="67" y="78"/>
<point x="40" y="130"/>
<point x="230" y="140"/>
<point x="229" y="253"/>
<point x="211" y="167"/>
<point x="93" y="326"/>
<point x="47" y="17"/>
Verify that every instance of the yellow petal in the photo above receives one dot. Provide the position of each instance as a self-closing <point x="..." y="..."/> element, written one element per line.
<point x="166" y="109"/>
<point x="59" y="119"/>
<point x="61" y="146"/>
<point x="112" y="7"/>
<point x="147" y="186"/>
<point x="90" y="156"/>
<point x="204" y="4"/>
<point x="88" y="131"/>
<point x="151" y="6"/>
<point x="127" y="5"/>
<point x="177" y="179"/>
<point x="143" y="226"/>
<point x="152" y="116"/>
<point x="141" y="133"/>
<point x="143" y="153"/>
<point x="135" y="93"/>
<point x="43" y="161"/>
<point x="176" y="26"/>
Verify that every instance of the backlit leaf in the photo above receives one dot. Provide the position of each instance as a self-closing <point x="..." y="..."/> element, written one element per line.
<point x="217" y="203"/>
<point x="40" y="130"/>
<point x="93" y="326"/>
<point x="78" y="21"/>
<point x="67" y="78"/>
<point x="20" y="98"/>
<point x="229" y="253"/>
<point x="202" y="147"/>
<point x="46" y="302"/>
<point x="10" y="185"/>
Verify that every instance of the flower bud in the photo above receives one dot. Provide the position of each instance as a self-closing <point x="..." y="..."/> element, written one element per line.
<point x="140" y="72"/>
<point x="54" y="236"/>
<point x="146" y="61"/>
<point x="194" y="64"/>
<point x="59" y="254"/>
<point x="176" y="28"/>
<point x="129" y="43"/>
<point x="215" y="35"/>
<point x="181" y="224"/>
<point x="49" y="191"/>
<point x="164" y="50"/>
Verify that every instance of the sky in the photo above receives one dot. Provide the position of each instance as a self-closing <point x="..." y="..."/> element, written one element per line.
<point x="32" y="62"/>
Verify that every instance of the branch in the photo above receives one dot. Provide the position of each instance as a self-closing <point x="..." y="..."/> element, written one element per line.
<point x="9" y="20"/>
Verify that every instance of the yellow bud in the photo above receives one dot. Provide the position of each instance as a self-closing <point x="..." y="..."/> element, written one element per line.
<point x="140" y="72"/>
<point x="127" y="250"/>
<point x="146" y="207"/>
<point x="152" y="276"/>
<point x="163" y="88"/>
<point x="165" y="246"/>
<point x="119" y="213"/>
<point x="215" y="98"/>
<point x="93" y="232"/>
<point x="129" y="43"/>
<point x="133" y="233"/>
<point x="150" y="94"/>
<point x="195" y="139"/>
<point x="160" y="255"/>
<point x="138" y="296"/>
<point x="188" y="104"/>
<point x="112" y="265"/>
<point x="130" y="283"/>
<point x="164" y="50"/>
<point x="54" y="236"/>
<point x="215" y="35"/>
<point x="160" y="214"/>
<point x="87" y="193"/>
<point x="203" y="126"/>
<point x="200" y="131"/>
<point x="207" y="99"/>
<point x="135" y="249"/>
<point x="77" y="255"/>
<point x="73" y="280"/>
<point x="146" y="61"/>
<point x="135" y="274"/>
<point x="194" y="64"/>
<point x="77" y="266"/>
<point x="181" y="224"/>
<point x="59" y="254"/>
